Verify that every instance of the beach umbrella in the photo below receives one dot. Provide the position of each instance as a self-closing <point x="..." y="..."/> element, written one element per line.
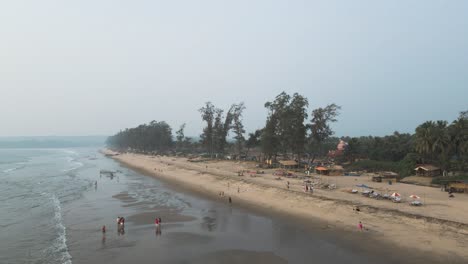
<point x="414" y="196"/>
<point x="395" y="194"/>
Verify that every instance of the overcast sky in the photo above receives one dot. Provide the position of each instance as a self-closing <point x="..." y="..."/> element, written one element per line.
<point x="93" y="67"/>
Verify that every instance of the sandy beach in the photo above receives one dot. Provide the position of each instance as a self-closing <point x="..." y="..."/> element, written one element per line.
<point x="439" y="228"/>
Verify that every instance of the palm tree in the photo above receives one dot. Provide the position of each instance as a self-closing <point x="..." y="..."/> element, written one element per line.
<point x="424" y="138"/>
<point x="441" y="138"/>
<point x="458" y="132"/>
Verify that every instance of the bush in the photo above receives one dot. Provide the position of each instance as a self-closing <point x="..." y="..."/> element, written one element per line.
<point x="374" y="165"/>
<point x="442" y="179"/>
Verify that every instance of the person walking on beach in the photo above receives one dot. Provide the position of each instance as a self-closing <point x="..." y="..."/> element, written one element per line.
<point x="360" y="227"/>
<point x="156" y="222"/>
<point x="103" y="229"/>
<point x="230" y="200"/>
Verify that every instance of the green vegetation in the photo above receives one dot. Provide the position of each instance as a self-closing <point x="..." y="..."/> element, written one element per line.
<point x="404" y="167"/>
<point x="155" y="136"/>
<point x="214" y="135"/>
<point x="288" y="133"/>
<point x="442" y="180"/>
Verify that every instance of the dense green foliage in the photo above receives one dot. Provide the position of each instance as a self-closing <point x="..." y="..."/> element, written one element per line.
<point x="404" y="167"/>
<point x="387" y="148"/>
<point x="286" y="132"/>
<point x="443" y="144"/>
<point x="442" y="180"/>
<point x="320" y="127"/>
<point x="373" y="165"/>
<point x="155" y="136"/>
<point x="217" y="128"/>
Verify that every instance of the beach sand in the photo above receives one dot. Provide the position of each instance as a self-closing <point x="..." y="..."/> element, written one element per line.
<point x="439" y="228"/>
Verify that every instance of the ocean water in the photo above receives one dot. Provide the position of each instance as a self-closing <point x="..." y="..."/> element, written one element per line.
<point x="34" y="185"/>
<point x="53" y="203"/>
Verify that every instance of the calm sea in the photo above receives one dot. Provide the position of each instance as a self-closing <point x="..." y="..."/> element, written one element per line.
<point x="53" y="203"/>
<point x="34" y="186"/>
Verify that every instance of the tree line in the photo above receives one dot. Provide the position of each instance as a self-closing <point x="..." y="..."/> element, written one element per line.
<point x="293" y="131"/>
<point x="434" y="142"/>
<point x="286" y="132"/>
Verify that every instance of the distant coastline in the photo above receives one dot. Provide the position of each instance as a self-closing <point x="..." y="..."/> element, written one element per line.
<point x="52" y="142"/>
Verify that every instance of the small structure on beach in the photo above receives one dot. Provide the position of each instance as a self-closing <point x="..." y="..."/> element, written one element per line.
<point x="288" y="164"/>
<point x="427" y="170"/>
<point x="458" y="186"/>
<point x="335" y="170"/>
<point x="387" y="176"/>
<point x="321" y="170"/>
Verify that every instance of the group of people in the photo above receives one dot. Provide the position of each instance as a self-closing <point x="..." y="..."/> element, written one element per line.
<point x="308" y="188"/>
<point x="121" y="225"/>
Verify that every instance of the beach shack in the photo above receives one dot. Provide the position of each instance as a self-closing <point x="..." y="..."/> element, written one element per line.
<point x="389" y="176"/>
<point x="288" y="164"/>
<point x="321" y="170"/>
<point x="458" y="186"/>
<point x="427" y="170"/>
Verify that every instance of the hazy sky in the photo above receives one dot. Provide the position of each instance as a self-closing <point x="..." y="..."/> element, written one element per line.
<point x="93" y="67"/>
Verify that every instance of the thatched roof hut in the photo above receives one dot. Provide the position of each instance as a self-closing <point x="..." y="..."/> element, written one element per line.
<point x="427" y="170"/>
<point x="288" y="164"/>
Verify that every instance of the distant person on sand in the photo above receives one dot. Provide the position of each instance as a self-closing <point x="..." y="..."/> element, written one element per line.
<point x="360" y="227"/>
<point x="230" y="200"/>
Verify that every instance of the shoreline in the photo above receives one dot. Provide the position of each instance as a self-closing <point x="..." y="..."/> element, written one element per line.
<point x="444" y="239"/>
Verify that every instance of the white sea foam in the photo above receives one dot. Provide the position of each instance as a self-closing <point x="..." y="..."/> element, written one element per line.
<point x="13" y="169"/>
<point x="70" y="152"/>
<point x="59" y="246"/>
<point x="76" y="165"/>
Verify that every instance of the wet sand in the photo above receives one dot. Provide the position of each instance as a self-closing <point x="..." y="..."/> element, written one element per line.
<point x="240" y="256"/>
<point x="417" y="236"/>
<point x="169" y="216"/>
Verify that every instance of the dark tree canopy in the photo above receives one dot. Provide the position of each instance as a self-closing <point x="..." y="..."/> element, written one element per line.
<point x="155" y="136"/>
<point x="285" y="130"/>
<point x="214" y="136"/>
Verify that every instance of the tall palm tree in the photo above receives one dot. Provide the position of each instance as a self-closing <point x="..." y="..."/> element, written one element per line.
<point x="441" y="139"/>
<point x="424" y="137"/>
<point x="458" y="131"/>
